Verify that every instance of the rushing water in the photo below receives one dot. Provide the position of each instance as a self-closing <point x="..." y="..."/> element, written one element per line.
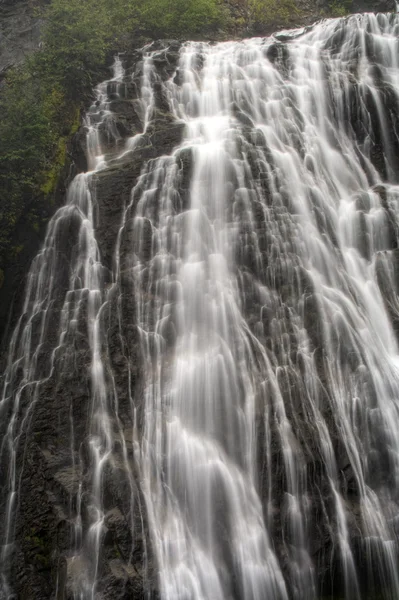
<point x="265" y="424"/>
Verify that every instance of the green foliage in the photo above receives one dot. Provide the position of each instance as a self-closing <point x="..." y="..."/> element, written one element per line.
<point x="75" y="44"/>
<point x="51" y="176"/>
<point x="181" y="17"/>
<point x="26" y="142"/>
<point x="271" y="13"/>
<point x="339" y="8"/>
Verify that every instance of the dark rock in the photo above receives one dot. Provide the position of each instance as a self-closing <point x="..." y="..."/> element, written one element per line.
<point x="20" y="28"/>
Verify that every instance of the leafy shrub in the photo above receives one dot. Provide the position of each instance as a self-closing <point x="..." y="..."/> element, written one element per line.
<point x="26" y="141"/>
<point x="181" y="17"/>
<point x="339" y="8"/>
<point x="271" y="13"/>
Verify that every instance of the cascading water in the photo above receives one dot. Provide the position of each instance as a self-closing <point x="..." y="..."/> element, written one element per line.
<point x="247" y="313"/>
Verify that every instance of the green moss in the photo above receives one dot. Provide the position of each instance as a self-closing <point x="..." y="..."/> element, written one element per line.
<point x="16" y="250"/>
<point x="117" y="552"/>
<point x="338" y="8"/>
<point x="76" y="122"/>
<point x="51" y="176"/>
<point x="36" y="227"/>
<point x="271" y="13"/>
<point x="181" y="17"/>
<point x="39" y="543"/>
<point x="44" y="561"/>
<point x="35" y="539"/>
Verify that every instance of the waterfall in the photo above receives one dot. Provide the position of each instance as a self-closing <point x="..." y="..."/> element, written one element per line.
<point x="207" y="364"/>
